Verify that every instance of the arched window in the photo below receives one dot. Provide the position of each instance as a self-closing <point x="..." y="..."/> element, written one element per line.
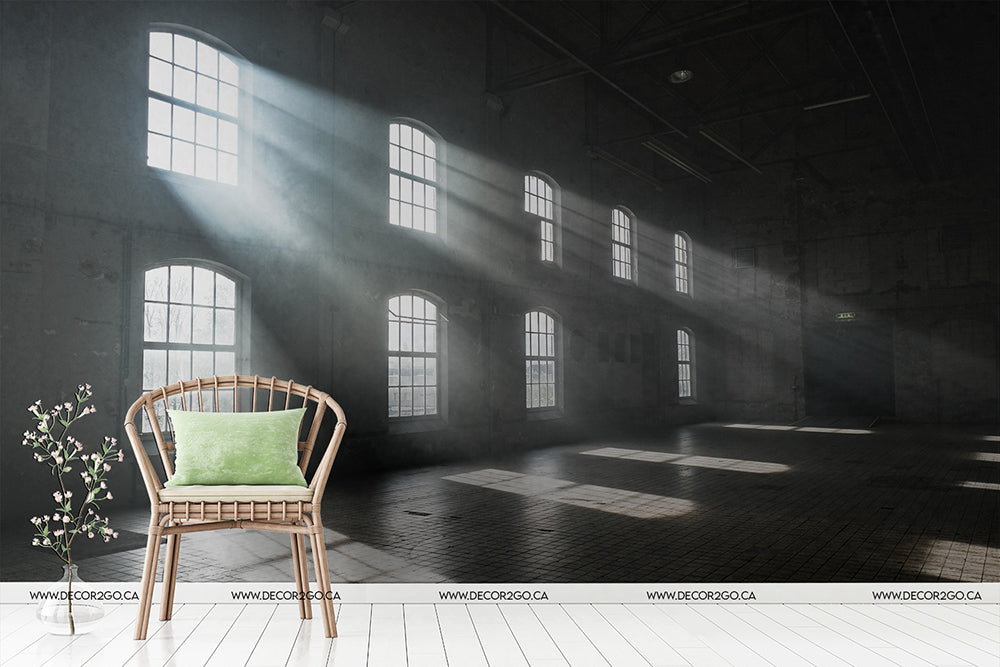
<point x="194" y="96"/>
<point x="685" y="364"/>
<point x="194" y="321"/>
<point x="622" y="244"/>
<point x="541" y="365"/>
<point x="682" y="263"/>
<point x="540" y="202"/>
<point x="415" y="344"/>
<point x="413" y="178"/>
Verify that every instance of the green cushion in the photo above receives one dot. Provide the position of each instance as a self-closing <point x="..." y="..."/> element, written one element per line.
<point x="236" y="447"/>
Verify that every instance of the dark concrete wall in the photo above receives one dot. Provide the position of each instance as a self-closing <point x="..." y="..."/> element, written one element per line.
<point x="83" y="217"/>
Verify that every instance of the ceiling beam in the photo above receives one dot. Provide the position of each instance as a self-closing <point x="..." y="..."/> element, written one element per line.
<point x="538" y="32"/>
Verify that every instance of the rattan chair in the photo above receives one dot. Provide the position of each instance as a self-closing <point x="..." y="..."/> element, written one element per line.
<point x="178" y="510"/>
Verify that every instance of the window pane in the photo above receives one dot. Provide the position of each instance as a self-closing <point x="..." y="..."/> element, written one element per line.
<point x="202" y="325"/>
<point x="225" y="327"/>
<point x="406" y="371"/>
<point x="225" y="292"/>
<point x="228" y="71"/>
<point x="184" y="85"/>
<point x="183" y="157"/>
<point x="183" y="124"/>
<point x="161" y="45"/>
<point x="178" y="365"/>
<point x="154" y="325"/>
<point x="393" y="371"/>
<point x="208" y="92"/>
<point x="184" y="51"/>
<point x="202" y="364"/>
<point x="154" y="368"/>
<point x="207" y="132"/>
<point x="160" y="76"/>
<point x="229" y="99"/>
<point x="204" y="287"/>
<point x="205" y="162"/>
<point x="208" y="60"/>
<point x="156" y="284"/>
<point x="158" y="151"/>
<point x="180" y="324"/>
<point x="180" y="284"/>
<point x="228" y="136"/>
<point x="159" y="116"/>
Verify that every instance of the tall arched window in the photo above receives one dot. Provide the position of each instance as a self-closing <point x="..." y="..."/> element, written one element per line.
<point x="413" y="178"/>
<point x="622" y="244"/>
<point x="193" y="122"/>
<point x="194" y="317"/>
<point x="541" y="365"/>
<point x="541" y="202"/>
<point x="682" y="263"/>
<point x="685" y="364"/>
<point x="415" y="343"/>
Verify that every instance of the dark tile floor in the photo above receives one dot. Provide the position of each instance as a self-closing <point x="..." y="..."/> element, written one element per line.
<point x="706" y="503"/>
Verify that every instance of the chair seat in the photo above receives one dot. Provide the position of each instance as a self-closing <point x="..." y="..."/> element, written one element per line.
<point x="197" y="493"/>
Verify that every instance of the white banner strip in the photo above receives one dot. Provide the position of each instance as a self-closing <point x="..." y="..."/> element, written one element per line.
<point x="271" y="593"/>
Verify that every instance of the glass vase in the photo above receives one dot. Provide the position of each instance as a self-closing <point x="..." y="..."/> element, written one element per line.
<point x="69" y="607"/>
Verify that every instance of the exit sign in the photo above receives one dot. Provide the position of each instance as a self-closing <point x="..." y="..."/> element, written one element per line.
<point x="843" y="317"/>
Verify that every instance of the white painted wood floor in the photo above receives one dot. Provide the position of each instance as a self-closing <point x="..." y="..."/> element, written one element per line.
<point x="542" y="635"/>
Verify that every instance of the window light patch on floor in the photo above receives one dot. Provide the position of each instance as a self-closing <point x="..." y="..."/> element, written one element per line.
<point x="985" y="456"/>
<point x="991" y="438"/>
<point x="601" y="498"/>
<point x="986" y="486"/>
<point x="739" y="465"/>
<point x="805" y="429"/>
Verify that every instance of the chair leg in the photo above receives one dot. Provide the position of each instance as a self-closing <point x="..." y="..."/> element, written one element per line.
<point x="323" y="582"/>
<point x="148" y="582"/>
<point x="301" y="575"/>
<point x="170" y="576"/>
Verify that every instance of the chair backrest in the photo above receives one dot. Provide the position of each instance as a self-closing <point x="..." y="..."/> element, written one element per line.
<point x="232" y="393"/>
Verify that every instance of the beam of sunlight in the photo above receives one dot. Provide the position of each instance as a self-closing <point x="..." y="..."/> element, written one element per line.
<point x="601" y="498"/>
<point x="806" y="429"/>
<point x="739" y="465"/>
<point x="985" y="456"/>
<point x="986" y="486"/>
<point x="991" y="438"/>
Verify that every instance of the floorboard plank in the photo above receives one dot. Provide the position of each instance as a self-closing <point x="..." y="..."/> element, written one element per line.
<point x="461" y="640"/>
<point x="239" y="642"/>
<point x="776" y="648"/>
<point x="572" y="643"/>
<point x="424" y="645"/>
<point x="720" y="639"/>
<point x="534" y="640"/>
<point x="116" y="626"/>
<point x="350" y="648"/>
<point x="170" y="636"/>
<point x="278" y="637"/>
<point x="205" y="639"/>
<point x="498" y="642"/>
<point x="387" y="646"/>
<point x="648" y="643"/>
<point x="788" y="638"/>
<point x="312" y="646"/>
<point x="615" y="648"/>
<point x="982" y="634"/>
<point x="947" y="649"/>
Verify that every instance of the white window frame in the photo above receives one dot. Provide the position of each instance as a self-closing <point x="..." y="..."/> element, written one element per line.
<point x="542" y="203"/>
<point x="196" y="121"/>
<point x="416" y="191"/>
<point x="542" y="351"/>
<point x="623" y="231"/>
<point x="407" y="330"/>
<point x="682" y="264"/>
<point x="193" y="290"/>
<point x="686" y="386"/>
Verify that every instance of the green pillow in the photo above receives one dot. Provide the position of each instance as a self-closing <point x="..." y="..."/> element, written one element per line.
<point x="236" y="447"/>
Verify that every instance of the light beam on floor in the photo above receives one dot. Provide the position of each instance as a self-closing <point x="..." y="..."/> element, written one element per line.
<point x="601" y="498"/>
<point x="739" y="465"/>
